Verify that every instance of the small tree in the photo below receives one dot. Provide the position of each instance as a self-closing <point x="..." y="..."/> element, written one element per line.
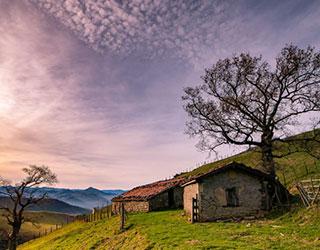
<point x="22" y="195"/>
<point x="245" y="101"/>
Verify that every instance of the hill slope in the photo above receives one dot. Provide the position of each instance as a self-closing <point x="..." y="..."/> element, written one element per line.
<point x="289" y="168"/>
<point x="36" y="223"/>
<point x="298" y="229"/>
<point x="87" y="198"/>
<point x="171" y="230"/>
<point x="51" y="205"/>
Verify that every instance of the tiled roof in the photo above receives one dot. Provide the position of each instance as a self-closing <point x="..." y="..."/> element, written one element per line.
<point x="146" y="192"/>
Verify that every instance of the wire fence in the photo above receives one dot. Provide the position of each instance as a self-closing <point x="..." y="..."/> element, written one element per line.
<point x="289" y="177"/>
<point x="96" y="215"/>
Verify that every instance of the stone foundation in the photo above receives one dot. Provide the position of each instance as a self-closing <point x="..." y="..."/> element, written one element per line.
<point x="131" y="206"/>
<point x="161" y="201"/>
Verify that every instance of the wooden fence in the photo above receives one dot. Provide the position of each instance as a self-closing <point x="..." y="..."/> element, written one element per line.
<point x="289" y="176"/>
<point x="49" y="230"/>
<point x="96" y="215"/>
<point x="309" y="191"/>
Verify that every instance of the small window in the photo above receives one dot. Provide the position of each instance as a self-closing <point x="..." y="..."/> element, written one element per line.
<point x="232" y="197"/>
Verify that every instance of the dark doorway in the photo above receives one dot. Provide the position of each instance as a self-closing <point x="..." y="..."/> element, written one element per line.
<point x="232" y="197"/>
<point x="171" y="198"/>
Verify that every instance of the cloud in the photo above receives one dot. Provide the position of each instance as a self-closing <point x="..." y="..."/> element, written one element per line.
<point x="40" y="85"/>
<point x="153" y="27"/>
<point x="196" y="31"/>
<point x="115" y="118"/>
<point x="80" y="112"/>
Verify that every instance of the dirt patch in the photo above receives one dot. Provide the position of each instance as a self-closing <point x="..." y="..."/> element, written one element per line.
<point x="193" y="242"/>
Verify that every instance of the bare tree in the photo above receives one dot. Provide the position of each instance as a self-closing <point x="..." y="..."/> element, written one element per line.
<point x="245" y="101"/>
<point x="23" y="195"/>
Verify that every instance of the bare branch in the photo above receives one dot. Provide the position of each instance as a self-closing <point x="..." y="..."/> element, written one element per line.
<point x="243" y="101"/>
<point x="23" y="195"/>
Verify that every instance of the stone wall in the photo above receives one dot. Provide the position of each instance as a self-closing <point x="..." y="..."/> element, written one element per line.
<point x="159" y="202"/>
<point x="178" y="197"/>
<point x="212" y="198"/>
<point x="189" y="192"/>
<point x="131" y="206"/>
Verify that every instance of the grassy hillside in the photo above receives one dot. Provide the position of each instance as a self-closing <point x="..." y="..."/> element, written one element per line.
<point x="171" y="230"/>
<point x="297" y="229"/>
<point x="54" y="205"/>
<point x="39" y="222"/>
<point x="293" y="167"/>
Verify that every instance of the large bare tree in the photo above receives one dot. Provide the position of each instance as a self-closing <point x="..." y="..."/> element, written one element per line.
<point x="21" y="196"/>
<point x="243" y="100"/>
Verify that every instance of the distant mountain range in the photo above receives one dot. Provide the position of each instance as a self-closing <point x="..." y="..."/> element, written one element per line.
<point x="50" y="205"/>
<point x="84" y="198"/>
<point x="114" y="191"/>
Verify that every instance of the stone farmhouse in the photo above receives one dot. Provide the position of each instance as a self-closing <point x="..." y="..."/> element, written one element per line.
<point x="231" y="191"/>
<point x="159" y="195"/>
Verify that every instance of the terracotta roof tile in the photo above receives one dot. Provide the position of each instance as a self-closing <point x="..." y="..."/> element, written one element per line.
<point x="148" y="191"/>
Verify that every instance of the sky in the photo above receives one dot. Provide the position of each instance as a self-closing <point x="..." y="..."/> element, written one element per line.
<point x="92" y="88"/>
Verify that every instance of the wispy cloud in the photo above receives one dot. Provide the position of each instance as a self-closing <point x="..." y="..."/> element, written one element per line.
<point x="191" y="30"/>
<point x="74" y="110"/>
<point x="114" y="119"/>
<point x="154" y="28"/>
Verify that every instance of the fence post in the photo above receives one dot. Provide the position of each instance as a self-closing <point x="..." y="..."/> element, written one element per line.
<point x="307" y="170"/>
<point x="122" y="215"/>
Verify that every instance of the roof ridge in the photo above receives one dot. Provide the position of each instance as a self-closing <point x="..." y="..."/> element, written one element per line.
<point x="150" y="190"/>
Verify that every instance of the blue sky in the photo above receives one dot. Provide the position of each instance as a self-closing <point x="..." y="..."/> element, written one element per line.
<point x="93" y="88"/>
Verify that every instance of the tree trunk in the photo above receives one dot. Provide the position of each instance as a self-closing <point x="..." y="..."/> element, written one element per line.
<point x="13" y="237"/>
<point x="267" y="161"/>
<point x="267" y="156"/>
<point x="12" y="243"/>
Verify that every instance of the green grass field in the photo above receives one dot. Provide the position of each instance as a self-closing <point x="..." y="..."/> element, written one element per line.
<point x="298" y="229"/>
